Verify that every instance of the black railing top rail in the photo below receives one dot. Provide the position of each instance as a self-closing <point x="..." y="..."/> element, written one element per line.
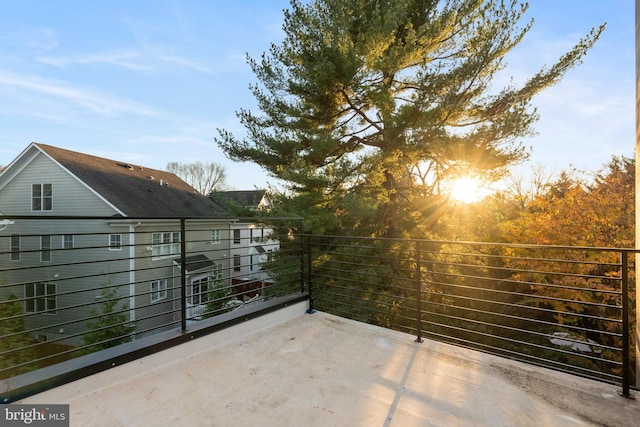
<point x="264" y="218"/>
<point x="470" y="243"/>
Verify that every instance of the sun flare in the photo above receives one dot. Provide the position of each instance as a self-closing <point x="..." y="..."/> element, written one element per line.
<point x="467" y="190"/>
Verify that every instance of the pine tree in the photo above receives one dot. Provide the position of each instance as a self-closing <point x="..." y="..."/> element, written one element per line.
<point x="367" y="105"/>
<point x="14" y="341"/>
<point x="111" y="327"/>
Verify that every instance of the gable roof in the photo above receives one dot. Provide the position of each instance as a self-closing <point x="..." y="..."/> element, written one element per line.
<point x="246" y="198"/>
<point x="135" y="190"/>
<point x="195" y="263"/>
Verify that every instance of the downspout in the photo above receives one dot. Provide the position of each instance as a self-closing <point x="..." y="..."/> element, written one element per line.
<point x="132" y="272"/>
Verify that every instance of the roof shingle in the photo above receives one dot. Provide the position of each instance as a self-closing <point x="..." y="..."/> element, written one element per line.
<point x="135" y="190"/>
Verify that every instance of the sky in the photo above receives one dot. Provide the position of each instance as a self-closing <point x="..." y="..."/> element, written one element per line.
<point x="150" y="81"/>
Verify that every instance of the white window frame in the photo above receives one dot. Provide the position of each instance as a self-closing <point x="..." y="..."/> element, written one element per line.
<point x="68" y="241"/>
<point x="158" y="290"/>
<point x="212" y="281"/>
<point x="14" y="249"/>
<point x="217" y="274"/>
<point x="257" y="237"/>
<point x="215" y="236"/>
<point x="41" y="201"/>
<point x="45" y="248"/>
<point x="40" y="297"/>
<point x="165" y="244"/>
<point x="237" y="236"/>
<point x="237" y="262"/>
<point x="202" y="296"/>
<point x="115" y="242"/>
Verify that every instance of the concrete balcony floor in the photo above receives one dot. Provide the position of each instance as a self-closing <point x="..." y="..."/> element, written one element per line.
<point x="288" y="368"/>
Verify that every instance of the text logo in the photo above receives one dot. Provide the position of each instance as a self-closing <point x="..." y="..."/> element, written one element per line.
<point x="34" y="415"/>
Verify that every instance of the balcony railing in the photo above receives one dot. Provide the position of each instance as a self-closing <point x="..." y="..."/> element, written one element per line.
<point x="71" y="287"/>
<point x="565" y="308"/>
<point x="98" y="292"/>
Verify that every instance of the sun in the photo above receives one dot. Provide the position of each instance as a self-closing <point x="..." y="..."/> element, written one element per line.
<point x="468" y="190"/>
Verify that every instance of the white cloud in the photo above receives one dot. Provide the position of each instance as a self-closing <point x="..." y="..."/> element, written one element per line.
<point x="184" y="63"/>
<point x="91" y="99"/>
<point x="148" y="60"/>
<point x="123" y="58"/>
<point x="30" y="40"/>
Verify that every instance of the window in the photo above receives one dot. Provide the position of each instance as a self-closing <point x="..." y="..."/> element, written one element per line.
<point x="236" y="262"/>
<point x="67" y="241"/>
<point x="215" y="237"/>
<point x="236" y="236"/>
<point x="15" y="247"/>
<point x="45" y="248"/>
<point x="257" y="235"/>
<point x="158" y="290"/>
<point x="41" y="197"/>
<point x="40" y="298"/>
<point x="269" y="259"/>
<point x="199" y="291"/>
<point x="115" y="242"/>
<point x="217" y="274"/>
<point x="165" y="244"/>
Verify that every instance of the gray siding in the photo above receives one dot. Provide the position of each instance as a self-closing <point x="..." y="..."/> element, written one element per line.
<point x="152" y="316"/>
<point x="79" y="273"/>
<point x="70" y="197"/>
<point x="82" y="272"/>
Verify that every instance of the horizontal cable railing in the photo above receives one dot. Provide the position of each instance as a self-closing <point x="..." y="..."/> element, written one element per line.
<point x="71" y="286"/>
<point x="564" y="308"/>
<point x="98" y="283"/>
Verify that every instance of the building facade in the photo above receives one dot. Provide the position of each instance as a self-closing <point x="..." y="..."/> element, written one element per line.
<point x="73" y="225"/>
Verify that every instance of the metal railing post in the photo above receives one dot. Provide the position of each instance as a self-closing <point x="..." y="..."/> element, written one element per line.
<point x="309" y="287"/>
<point x="302" y="261"/>
<point x="183" y="276"/>
<point x="418" y="292"/>
<point x="626" y="368"/>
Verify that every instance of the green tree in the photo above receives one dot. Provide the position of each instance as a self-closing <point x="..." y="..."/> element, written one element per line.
<point x="111" y="325"/>
<point x="219" y="300"/>
<point x="367" y="105"/>
<point x="14" y="341"/>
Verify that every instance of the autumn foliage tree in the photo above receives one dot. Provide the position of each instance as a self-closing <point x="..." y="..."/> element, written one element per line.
<point x="578" y="213"/>
<point x="575" y="212"/>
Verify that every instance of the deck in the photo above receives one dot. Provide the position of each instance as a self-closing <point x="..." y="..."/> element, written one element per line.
<point x="289" y="368"/>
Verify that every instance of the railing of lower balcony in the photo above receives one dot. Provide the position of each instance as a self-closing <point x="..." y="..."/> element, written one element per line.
<point x="77" y="290"/>
<point x="566" y="308"/>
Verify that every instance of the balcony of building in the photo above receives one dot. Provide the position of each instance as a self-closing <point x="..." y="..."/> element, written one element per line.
<point x="348" y="332"/>
<point x="289" y="368"/>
